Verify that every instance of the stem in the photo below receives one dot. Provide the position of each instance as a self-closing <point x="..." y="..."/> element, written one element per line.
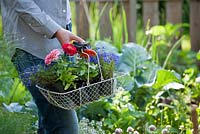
<point x="98" y="24"/>
<point x="148" y="37"/>
<point x="161" y="118"/>
<point x="125" y="24"/>
<point x="170" y="52"/>
<point x="153" y="48"/>
<point x="12" y="96"/>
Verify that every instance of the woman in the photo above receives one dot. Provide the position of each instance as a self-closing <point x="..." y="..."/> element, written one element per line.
<point x="36" y="27"/>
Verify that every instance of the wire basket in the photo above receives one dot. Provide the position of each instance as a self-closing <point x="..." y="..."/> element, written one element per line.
<point x="84" y="95"/>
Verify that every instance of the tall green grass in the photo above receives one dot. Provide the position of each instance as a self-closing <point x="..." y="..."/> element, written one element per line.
<point x="117" y="17"/>
<point x="119" y="27"/>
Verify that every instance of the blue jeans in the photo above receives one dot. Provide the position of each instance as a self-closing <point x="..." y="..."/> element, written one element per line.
<point x="52" y="120"/>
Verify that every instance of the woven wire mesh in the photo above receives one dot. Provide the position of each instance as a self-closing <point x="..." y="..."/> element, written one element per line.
<point x="83" y="95"/>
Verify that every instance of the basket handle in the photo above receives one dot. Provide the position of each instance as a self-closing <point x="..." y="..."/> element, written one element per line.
<point x="99" y="66"/>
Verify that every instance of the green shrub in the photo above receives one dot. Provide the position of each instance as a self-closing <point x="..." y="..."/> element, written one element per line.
<point x="16" y="123"/>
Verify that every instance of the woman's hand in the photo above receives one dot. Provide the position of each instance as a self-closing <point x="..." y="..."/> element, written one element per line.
<point x="65" y="36"/>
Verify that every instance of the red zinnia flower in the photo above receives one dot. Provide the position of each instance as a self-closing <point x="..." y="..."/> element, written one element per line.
<point x="69" y="49"/>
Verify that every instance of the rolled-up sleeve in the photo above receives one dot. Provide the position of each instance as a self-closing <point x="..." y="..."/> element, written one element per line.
<point x="36" y="18"/>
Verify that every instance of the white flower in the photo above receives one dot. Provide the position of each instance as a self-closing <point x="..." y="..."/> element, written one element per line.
<point x="168" y="127"/>
<point x="181" y="127"/>
<point x="118" y="131"/>
<point x="152" y="127"/>
<point x="197" y="80"/>
<point x="129" y="129"/>
<point x="165" y="131"/>
<point x="135" y="132"/>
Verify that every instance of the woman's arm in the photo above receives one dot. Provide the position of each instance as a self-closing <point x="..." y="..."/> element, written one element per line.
<point x="41" y="22"/>
<point x="37" y="19"/>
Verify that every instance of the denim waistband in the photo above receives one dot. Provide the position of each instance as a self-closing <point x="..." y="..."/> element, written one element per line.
<point x="69" y="26"/>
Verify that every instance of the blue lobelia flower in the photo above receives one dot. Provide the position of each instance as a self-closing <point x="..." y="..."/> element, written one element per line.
<point x="105" y="56"/>
<point x="28" y="72"/>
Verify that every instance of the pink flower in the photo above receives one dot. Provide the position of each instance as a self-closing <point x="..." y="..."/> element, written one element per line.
<point x="52" y="56"/>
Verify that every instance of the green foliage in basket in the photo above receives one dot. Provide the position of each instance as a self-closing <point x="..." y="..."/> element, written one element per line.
<point x="70" y="74"/>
